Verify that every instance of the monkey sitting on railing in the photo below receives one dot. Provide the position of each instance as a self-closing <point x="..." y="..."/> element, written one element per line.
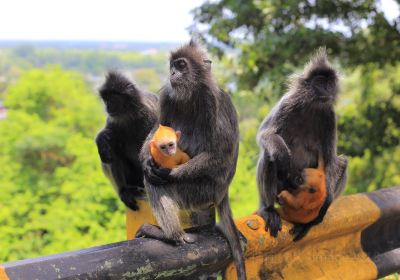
<point x="299" y="129"/>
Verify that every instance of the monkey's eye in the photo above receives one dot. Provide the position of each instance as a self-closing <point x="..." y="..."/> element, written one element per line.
<point x="162" y="147"/>
<point x="171" y="145"/>
<point x="180" y="64"/>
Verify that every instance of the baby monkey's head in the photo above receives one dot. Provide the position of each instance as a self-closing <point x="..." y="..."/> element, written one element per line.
<point x="166" y="140"/>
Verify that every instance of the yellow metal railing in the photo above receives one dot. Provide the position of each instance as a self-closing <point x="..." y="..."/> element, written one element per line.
<point x="358" y="239"/>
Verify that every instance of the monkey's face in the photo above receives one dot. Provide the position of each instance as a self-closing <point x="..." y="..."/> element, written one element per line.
<point x="181" y="72"/>
<point x="190" y="69"/>
<point x="168" y="147"/>
<point x="324" y="90"/>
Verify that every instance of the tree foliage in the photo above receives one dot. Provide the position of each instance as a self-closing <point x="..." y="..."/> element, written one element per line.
<point x="369" y="126"/>
<point x="262" y="42"/>
<point x="54" y="195"/>
<point x="275" y="37"/>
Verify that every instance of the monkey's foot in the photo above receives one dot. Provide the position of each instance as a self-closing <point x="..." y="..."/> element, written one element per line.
<point x="152" y="231"/>
<point x="299" y="231"/>
<point x="273" y="222"/>
<point x="189" y="238"/>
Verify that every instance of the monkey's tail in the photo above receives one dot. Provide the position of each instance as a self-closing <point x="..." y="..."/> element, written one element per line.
<point x="232" y="235"/>
<point x="341" y="171"/>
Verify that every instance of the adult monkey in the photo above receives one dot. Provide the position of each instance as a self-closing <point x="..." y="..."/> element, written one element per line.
<point x="298" y="129"/>
<point x="132" y="114"/>
<point x="193" y="104"/>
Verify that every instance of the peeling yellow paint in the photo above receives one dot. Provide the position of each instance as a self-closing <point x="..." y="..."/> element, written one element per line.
<point x="331" y="250"/>
<point x="135" y="219"/>
<point x="3" y="274"/>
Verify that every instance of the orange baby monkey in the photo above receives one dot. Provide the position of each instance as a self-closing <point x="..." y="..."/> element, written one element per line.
<point x="304" y="204"/>
<point x="164" y="148"/>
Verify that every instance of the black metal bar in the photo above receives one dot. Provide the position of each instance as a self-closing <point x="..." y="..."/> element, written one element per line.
<point x="384" y="234"/>
<point x="388" y="263"/>
<point x="381" y="240"/>
<point x="135" y="259"/>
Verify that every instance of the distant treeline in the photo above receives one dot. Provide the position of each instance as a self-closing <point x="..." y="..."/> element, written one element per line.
<point x="102" y="45"/>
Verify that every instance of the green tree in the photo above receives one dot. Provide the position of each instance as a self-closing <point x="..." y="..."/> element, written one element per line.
<point x="54" y="195"/>
<point x="369" y="125"/>
<point x="276" y="37"/>
<point x="148" y="79"/>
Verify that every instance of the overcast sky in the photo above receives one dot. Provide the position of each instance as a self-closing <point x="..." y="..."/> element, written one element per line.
<point x="126" y="20"/>
<point x="114" y="20"/>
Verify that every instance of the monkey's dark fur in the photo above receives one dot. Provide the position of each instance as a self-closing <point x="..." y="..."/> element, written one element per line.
<point x="131" y="116"/>
<point x="299" y="128"/>
<point x="194" y="104"/>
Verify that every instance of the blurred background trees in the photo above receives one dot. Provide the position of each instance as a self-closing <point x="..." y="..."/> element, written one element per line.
<point x="54" y="196"/>
<point x="262" y="42"/>
<point x="273" y="37"/>
<point x="53" y="193"/>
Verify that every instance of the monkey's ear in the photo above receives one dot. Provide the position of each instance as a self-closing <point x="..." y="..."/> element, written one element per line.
<point x="207" y="63"/>
<point x="194" y="42"/>
<point x="178" y="135"/>
<point x="153" y="143"/>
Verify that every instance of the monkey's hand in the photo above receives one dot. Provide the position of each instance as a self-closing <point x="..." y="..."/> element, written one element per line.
<point x="294" y="179"/>
<point x="128" y="198"/>
<point x="155" y="175"/>
<point x="282" y="198"/>
<point x="273" y="222"/>
<point x="103" y="141"/>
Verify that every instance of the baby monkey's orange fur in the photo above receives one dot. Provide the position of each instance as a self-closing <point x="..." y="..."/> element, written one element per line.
<point x="304" y="204"/>
<point x="164" y="148"/>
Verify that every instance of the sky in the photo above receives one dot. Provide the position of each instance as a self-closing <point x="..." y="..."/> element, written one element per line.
<point x="115" y="20"/>
<point x="106" y="20"/>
